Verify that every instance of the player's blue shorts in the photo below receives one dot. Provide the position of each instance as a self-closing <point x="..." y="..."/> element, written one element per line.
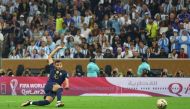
<point x="49" y="90"/>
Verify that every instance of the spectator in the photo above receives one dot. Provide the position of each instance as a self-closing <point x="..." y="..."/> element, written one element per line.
<point x="127" y="53"/>
<point x="129" y="73"/>
<point x="179" y="74"/>
<point x="163" y="42"/>
<point x="42" y="54"/>
<point x="108" y="54"/>
<point x="27" y="73"/>
<point x="78" y="53"/>
<point x="173" y="54"/>
<point x="116" y="73"/>
<point x="182" y="54"/>
<point x="164" y="73"/>
<point x="72" y="29"/>
<point x="106" y="22"/>
<point x="99" y="54"/>
<point x="174" y="40"/>
<point x="10" y="72"/>
<point x="102" y="73"/>
<point x="59" y="22"/>
<point x="85" y="31"/>
<point x="116" y="24"/>
<point x="142" y="48"/>
<point x="149" y="53"/>
<point x="184" y="41"/>
<point x="78" y="37"/>
<point x="162" y="53"/>
<point x="77" y="19"/>
<point x="143" y="67"/>
<point x="42" y="73"/>
<point x="44" y="47"/>
<point x="50" y="43"/>
<point x="79" y="71"/>
<point x="35" y="54"/>
<point x="119" y="53"/>
<point x="2" y="73"/>
<point x="152" y="31"/>
<point x="67" y="54"/>
<point x="92" y="68"/>
<point x="14" y="55"/>
<point x="32" y="47"/>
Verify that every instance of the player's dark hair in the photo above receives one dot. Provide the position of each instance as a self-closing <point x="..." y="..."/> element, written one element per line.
<point x="57" y="61"/>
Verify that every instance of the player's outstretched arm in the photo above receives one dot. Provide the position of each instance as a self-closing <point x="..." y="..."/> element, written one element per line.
<point x="50" y="59"/>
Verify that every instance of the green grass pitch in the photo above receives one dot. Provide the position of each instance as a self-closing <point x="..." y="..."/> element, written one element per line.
<point x="98" y="102"/>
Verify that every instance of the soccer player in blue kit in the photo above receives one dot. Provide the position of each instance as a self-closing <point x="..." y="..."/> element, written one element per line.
<point x="53" y="86"/>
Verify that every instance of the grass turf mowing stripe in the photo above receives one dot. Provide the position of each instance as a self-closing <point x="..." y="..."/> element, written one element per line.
<point x="93" y="102"/>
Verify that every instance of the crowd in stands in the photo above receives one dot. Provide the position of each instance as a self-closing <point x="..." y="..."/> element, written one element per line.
<point x="95" y="28"/>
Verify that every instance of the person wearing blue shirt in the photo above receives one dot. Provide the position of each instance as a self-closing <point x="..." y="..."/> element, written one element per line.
<point x="116" y="24"/>
<point x="163" y="42"/>
<point x="53" y="86"/>
<point x="184" y="41"/>
<point x="143" y="66"/>
<point x="92" y="68"/>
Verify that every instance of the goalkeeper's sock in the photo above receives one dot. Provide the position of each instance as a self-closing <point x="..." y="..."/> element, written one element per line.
<point x="40" y="103"/>
<point x="59" y="94"/>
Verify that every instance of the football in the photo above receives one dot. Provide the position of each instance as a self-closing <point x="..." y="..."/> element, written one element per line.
<point x="161" y="104"/>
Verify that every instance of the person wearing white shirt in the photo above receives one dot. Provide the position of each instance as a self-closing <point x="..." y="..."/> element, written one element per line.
<point x="77" y="37"/>
<point x="173" y="54"/>
<point x="127" y="53"/>
<point x="119" y="53"/>
<point x="42" y="54"/>
<point x="63" y="39"/>
<point x="87" y="18"/>
<point x="77" y="19"/>
<point x="2" y="9"/>
<point x="14" y="55"/>
<point x="127" y="8"/>
<point x="35" y="54"/>
<point x="12" y="8"/>
<point x="98" y="54"/>
<point x="127" y="20"/>
<point x="142" y="48"/>
<point x="50" y="43"/>
<point x="32" y="47"/>
<point x="60" y="53"/>
<point x="174" y="39"/>
<point x="186" y="24"/>
<point x="85" y="31"/>
<point x="121" y="19"/>
<point x="44" y="47"/>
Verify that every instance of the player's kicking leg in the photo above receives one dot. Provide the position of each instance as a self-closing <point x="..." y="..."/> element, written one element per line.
<point x="59" y="90"/>
<point x="46" y="101"/>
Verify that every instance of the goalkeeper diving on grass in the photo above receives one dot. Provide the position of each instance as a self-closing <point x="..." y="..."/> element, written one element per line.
<point x="53" y="86"/>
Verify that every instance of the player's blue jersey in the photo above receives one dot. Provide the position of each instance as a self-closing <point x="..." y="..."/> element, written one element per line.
<point x="57" y="76"/>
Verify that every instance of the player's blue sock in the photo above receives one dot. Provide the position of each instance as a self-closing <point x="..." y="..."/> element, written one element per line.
<point x="41" y="103"/>
<point x="59" y="94"/>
